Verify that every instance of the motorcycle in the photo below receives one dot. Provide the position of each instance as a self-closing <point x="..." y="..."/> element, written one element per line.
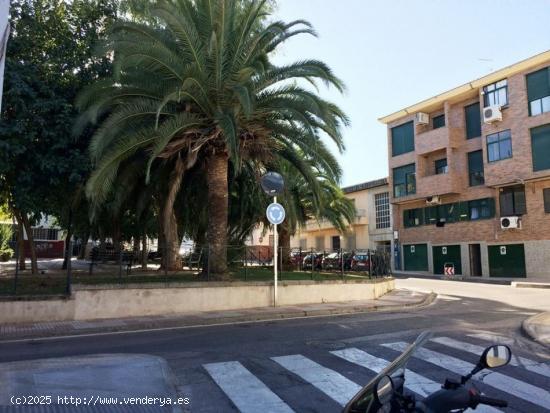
<point x="385" y="393"/>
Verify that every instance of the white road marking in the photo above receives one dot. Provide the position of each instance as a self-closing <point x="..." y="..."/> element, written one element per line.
<point x="493" y="338"/>
<point x="330" y="382"/>
<point x="413" y="381"/>
<point x="528" y="364"/>
<point x="499" y="381"/>
<point x="244" y="389"/>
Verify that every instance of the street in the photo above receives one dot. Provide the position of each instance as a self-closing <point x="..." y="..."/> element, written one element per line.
<point x="317" y="364"/>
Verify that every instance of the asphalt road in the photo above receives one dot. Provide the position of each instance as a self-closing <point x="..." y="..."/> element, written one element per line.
<point x="314" y="364"/>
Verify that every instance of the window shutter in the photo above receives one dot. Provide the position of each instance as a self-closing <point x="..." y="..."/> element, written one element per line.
<point x="540" y="147"/>
<point x="538" y="84"/>
<point x="519" y="201"/>
<point x="473" y="121"/>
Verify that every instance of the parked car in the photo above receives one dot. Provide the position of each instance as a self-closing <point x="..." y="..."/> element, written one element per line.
<point x="333" y="261"/>
<point x="360" y="261"/>
<point x="316" y="258"/>
<point x="297" y="258"/>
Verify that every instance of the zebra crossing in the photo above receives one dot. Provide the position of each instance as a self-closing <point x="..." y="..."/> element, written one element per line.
<point x="442" y="357"/>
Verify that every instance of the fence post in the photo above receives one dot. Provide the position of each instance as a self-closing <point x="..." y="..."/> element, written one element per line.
<point x="370" y="263"/>
<point x="245" y="262"/>
<point x="342" y="260"/>
<point x="69" y="268"/>
<point x="280" y="263"/>
<point x="208" y="263"/>
<point x="17" y="252"/>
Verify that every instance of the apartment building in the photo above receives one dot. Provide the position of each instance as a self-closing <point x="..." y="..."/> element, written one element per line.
<point x="469" y="172"/>
<point x="372" y="228"/>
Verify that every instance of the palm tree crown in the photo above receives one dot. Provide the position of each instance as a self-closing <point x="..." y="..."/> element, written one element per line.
<point x="196" y="82"/>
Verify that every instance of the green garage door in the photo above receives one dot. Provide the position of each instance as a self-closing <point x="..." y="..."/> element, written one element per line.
<point x="416" y="257"/>
<point x="506" y="260"/>
<point x="447" y="254"/>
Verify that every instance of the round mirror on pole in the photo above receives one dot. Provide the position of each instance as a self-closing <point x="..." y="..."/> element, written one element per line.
<point x="272" y="183"/>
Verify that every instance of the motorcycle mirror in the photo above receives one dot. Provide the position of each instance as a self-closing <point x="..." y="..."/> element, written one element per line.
<point x="384" y="390"/>
<point x="496" y="356"/>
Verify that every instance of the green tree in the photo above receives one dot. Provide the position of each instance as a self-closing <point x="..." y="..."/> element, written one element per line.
<point x="49" y="58"/>
<point x="199" y="85"/>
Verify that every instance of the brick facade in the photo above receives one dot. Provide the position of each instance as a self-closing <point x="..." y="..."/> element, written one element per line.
<point x="451" y="142"/>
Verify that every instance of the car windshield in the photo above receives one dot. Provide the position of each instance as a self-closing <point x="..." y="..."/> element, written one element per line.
<point x="364" y="400"/>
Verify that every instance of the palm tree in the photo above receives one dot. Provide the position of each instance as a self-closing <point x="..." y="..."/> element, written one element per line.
<point x="199" y="84"/>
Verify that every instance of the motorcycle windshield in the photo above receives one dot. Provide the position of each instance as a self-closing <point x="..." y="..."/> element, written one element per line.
<point x="364" y="401"/>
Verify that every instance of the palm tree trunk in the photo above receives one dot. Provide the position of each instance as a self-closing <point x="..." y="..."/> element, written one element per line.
<point x="170" y="223"/>
<point x="217" y="214"/>
<point x="284" y="245"/>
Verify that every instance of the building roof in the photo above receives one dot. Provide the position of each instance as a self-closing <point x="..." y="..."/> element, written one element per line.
<point x="365" y="185"/>
<point x="473" y="85"/>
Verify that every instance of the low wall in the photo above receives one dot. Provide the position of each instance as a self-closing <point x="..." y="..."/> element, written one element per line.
<point x="96" y="302"/>
<point x="24" y="310"/>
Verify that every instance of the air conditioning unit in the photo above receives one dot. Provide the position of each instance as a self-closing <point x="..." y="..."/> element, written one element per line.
<point x="433" y="200"/>
<point x="510" y="222"/>
<point x="422" y="118"/>
<point x="492" y="114"/>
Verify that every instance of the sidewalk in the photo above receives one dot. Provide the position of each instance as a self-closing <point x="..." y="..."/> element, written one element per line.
<point x="538" y="328"/>
<point x="514" y="282"/>
<point x="397" y="300"/>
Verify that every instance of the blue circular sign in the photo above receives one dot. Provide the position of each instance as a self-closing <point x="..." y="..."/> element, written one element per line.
<point x="275" y="213"/>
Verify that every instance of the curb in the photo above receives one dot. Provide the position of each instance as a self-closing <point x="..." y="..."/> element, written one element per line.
<point x="529" y="328"/>
<point x="217" y="321"/>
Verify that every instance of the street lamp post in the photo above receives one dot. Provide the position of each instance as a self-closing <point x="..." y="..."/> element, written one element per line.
<point x="273" y="185"/>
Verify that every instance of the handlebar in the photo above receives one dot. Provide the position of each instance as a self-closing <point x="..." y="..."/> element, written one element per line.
<point x="460" y="398"/>
<point x="491" y="402"/>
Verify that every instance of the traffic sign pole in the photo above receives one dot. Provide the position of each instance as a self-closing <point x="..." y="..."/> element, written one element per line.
<point x="276" y="247"/>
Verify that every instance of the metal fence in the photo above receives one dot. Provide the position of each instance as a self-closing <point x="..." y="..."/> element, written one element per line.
<point x="126" y="263"/>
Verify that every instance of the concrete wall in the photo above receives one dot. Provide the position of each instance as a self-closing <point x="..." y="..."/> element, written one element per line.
<point x="23" y="311"/>
<point x="95" y="302"/>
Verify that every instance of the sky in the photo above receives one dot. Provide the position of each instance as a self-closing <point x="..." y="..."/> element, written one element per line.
<point x="394" y="53"/>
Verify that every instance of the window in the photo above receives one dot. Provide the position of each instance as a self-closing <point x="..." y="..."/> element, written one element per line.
<point x="404" y="180"/>
<point x="512" y="201"/>
<point x="481" y="209"/>
<point x="496" y="94"/>
<point x="546" y="197"/>
<point x="540" y="147"/>
<point x="413" y="217"/>
<point x="499" y="146"/>
<point x="538" y="91"/>
<point x="402" y="138"/>
<point x="303" y="243"/>
<point x="382" y="207"/>
<point x="449" y="213"/>
<point x="45" y="234"/>
<point x="441" y="166"/>
<point x="475" y="168"/>
<point x="438" y="121"/>
<point x="473" y="121"/>
<point x="320" y="243"/>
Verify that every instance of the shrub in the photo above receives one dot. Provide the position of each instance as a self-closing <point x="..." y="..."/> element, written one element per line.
<point x="6" y="233"/>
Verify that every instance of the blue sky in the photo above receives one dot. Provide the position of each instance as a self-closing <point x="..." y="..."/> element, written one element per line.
<point x="394" y="53"/>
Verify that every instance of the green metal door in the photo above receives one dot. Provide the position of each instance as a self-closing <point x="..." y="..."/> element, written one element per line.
<point x="416" y="257"/>
<point x="447" y="254"/>
<point x="507" y="260"/>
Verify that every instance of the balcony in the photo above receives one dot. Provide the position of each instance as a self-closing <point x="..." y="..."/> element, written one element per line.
<point x="434" y="140"/>
<point x="441" y="184"/>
